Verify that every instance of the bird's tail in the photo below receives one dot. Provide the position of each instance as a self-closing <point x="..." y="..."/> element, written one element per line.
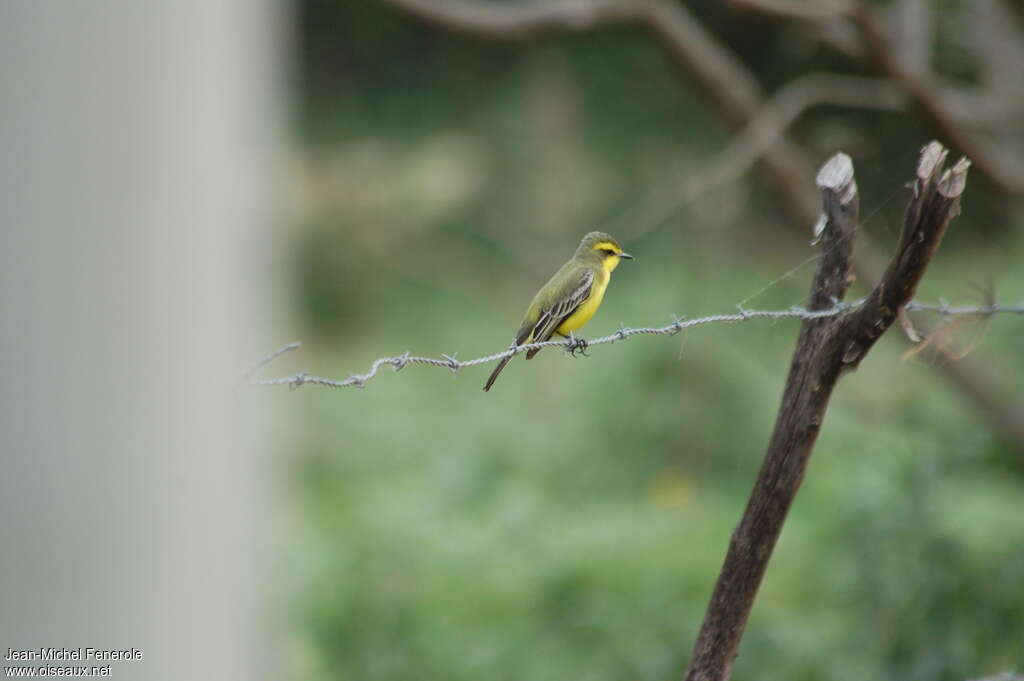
<point x="497" y="370"/>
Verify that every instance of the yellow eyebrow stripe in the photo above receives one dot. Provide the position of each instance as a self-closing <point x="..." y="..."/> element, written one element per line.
<point x="607" y="245"/>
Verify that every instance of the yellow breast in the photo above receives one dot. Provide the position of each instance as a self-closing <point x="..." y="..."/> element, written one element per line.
<point x="584" y="312"/>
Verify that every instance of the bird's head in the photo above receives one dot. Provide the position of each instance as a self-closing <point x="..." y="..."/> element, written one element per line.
<point x="600" y="249"/>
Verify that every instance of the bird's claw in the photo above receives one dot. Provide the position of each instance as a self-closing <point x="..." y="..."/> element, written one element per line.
<point x="577" y="345"/>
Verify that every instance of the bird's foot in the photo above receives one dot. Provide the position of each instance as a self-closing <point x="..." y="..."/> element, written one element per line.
<point x="576" y="345"/>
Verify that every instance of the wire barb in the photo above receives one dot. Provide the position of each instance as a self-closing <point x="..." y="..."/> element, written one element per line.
<point x="575" y="344"/>
<point x="453" y="363"/>
<point x="401" y="361"/>
<point x="297" y="380"/>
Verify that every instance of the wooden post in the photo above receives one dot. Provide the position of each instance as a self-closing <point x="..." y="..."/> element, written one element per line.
<point x="825" y="350"/>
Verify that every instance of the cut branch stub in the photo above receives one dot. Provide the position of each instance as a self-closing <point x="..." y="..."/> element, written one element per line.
<point x="840" y="206"/>
<point x="935" y="202"/>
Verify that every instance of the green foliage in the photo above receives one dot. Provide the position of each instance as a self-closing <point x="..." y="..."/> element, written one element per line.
<point x="570" y="524"/>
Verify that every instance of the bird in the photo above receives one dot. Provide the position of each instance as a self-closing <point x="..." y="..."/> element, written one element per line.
<point x="570" y="298"/>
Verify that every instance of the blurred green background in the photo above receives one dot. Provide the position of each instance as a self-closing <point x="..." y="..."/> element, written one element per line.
<point x="571" y="523"/>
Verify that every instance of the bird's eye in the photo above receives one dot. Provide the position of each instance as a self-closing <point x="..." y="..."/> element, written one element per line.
<point x="607" y="252"/>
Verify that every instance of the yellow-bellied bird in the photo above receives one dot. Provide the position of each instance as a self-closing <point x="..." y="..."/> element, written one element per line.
<point x="570" y="298"/>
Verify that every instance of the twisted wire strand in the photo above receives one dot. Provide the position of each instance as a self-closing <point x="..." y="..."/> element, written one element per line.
<point x="678" y="324"/>
<point x="945" y="309"/>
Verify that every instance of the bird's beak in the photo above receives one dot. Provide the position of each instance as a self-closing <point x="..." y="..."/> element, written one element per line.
<point x="626" y="256"/>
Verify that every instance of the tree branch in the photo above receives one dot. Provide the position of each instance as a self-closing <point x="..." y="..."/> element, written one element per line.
<point x="1001" y="170"/>
<point x="712" y="65"/>
<point x="763" y="132"/>
<point x="826" y="348"/>
<point x="518" y="20"/>
<point x="797" y="10"/>
<point x="947" y="114"/>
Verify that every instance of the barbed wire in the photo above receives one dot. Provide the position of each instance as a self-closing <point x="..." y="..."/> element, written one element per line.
<point x="572" y="344"/>
<point x="945" y="309"/>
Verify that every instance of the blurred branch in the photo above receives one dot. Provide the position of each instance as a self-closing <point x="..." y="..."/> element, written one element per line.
<point x="916" y="25"/>
<point x="516" y="20"/>
<point x="947" y="110"/>
<point x="732" y="88"/>
<point x="798" y="10"/>
<point x="1002" y="170"/>
<point x="714" y="66"/>
<point x="997" y="41"/>
<point x="765" y="129"/>
<point x="826" y="20"/>
<point x="827" y="348"/>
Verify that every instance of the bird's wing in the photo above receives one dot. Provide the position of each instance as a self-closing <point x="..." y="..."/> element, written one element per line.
<point x="565" y="301"/>
<point x="552" y="305"/>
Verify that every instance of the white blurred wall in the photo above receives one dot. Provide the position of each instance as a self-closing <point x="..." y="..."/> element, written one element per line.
<point x="138" y="146"/>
